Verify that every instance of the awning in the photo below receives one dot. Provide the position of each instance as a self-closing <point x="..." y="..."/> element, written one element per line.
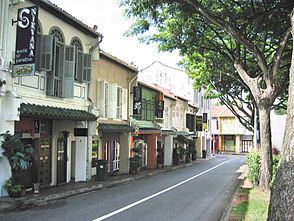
<point x="182" y="133"/>
<point x="142" y="126"/>
<point x="168" y="131"/>
<point x="58" y="113"/>
<point x="115" y="128"/>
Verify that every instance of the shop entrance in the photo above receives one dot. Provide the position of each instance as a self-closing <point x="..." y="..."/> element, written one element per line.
<point x="43" y="163"/>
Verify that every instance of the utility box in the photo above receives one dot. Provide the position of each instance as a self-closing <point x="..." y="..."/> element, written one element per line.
<point x="101" y="169"/>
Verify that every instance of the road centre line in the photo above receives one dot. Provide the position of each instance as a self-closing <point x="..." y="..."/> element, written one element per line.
<point x="157" y="194"/>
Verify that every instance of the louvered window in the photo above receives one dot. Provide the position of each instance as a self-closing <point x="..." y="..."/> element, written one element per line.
<point x="69" y="71"/>
<point x="100" y="97"/>
<point x="87" y="60"/>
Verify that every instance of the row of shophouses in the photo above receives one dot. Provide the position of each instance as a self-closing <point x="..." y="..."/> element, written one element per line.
<point x="79" y="104"/>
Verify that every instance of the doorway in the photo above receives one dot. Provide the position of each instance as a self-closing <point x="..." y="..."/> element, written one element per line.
<point x="43" y="162"/>
<point x="61" y="160"/>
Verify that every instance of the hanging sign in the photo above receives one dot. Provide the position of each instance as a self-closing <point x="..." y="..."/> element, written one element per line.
<point x="204" y="121"/>
<point x="199" y="123"/>
<point x="137" y="98"/>
<point x="159" y="107"/>
<point x="26" y="36"/>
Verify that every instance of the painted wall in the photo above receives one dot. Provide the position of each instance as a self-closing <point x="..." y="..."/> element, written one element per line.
<point x="179" y="116"/>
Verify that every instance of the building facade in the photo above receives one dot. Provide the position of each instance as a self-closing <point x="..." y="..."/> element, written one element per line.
<point x="113" y="79"/>
<point x="228" y="133"/>
<point x="50" y="109"/>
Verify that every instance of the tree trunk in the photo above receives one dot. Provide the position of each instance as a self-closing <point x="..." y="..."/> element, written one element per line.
<point x="282" y="196"/>
<point x="266" y="147"/>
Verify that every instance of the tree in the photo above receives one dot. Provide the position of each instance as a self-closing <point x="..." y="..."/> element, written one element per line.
<point x="255" y="37"/>
<point x="282" y="196"/>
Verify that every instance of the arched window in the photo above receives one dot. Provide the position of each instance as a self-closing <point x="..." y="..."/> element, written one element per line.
<point x="57" y="34"/>
<point x="75" y="41"/>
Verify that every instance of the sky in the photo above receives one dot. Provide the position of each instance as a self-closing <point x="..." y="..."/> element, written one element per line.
<point x="108" y="16"/>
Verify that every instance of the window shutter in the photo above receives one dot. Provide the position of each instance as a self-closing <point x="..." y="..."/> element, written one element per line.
<point x="101" y="97"/>
<point x="119" y="103"/>
<point x="44" y="53"/>
<point x="112" y="100"/>
<point x="124" y="105"/>
<point x="79" y="66"/>
<point x="69" y="71"/>
<point x="51" y="74"/>
<point x="87" y="68"/>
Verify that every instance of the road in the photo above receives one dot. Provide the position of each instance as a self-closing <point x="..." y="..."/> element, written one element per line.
<point x="198" y="192"/>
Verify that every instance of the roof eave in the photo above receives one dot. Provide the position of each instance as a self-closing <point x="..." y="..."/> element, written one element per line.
<point x="58" y="12"/>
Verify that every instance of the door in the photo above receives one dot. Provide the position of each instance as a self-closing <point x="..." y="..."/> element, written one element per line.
<point x="61" y="160"/>
<point x="116" y="156"/>
<point x="43" y="162"/>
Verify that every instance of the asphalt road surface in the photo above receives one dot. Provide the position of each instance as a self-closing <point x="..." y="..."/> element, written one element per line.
<point x="198" y="192"/>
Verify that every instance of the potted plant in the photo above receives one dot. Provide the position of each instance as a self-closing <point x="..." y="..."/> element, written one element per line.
<point x="20" y="158"/>
<point x="135" y="161"/>
<point x="176" y="157"/>
<point x="14" y="190"/>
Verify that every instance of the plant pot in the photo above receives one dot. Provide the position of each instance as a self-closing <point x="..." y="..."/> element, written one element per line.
<point x="14" y="194"/>
<point x="134" y="166"/>
<point x="159" y="165"/>
<point x="36" y="188"/>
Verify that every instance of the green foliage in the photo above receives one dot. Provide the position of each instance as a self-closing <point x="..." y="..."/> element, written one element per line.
<point x="18" y="154"/>
<point x="11" y="187"/>
<point x="276" y="160"/>
<point x="211" y="36"/>
<point x="253" y="162"/>
<point x="253" y="206"/>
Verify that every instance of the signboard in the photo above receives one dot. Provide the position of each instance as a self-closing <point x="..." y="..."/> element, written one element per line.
<point x="159" y="106"/>
<point x="26" y="37"/>
<point x="199" y="123"/>
<point x="137" y="104"/>
<point x="81" y="132"/>
<point x="204" y="120"/>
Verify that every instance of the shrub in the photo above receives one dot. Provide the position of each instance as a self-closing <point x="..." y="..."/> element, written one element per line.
<point x="276" y="160"/>
<point x="253" y="162"/>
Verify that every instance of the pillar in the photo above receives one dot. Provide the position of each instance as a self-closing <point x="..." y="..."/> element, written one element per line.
<point x="151" y="154"/>
<point x="168" y="150"/>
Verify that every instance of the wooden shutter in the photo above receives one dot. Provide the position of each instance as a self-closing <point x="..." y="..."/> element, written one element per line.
<point x="124" y="105"/>
<point x="112" y="100"/>
<point x="69" y="71"/>
<point x="87" y="68"/>
<point x="44" y="53"/>
<point x="51" y="74"/>
<point x="119" y="103"/>
<point x="79" y="66"/>
<point x="101" y="97"/>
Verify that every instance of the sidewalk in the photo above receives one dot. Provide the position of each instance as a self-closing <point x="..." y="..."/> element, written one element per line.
<point x="56" y="193"/>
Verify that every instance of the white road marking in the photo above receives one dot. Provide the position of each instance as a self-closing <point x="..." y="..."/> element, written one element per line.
<point x="157" y="194"/>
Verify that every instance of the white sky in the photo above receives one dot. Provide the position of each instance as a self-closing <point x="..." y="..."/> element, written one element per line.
<point x="111" y="23"/>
